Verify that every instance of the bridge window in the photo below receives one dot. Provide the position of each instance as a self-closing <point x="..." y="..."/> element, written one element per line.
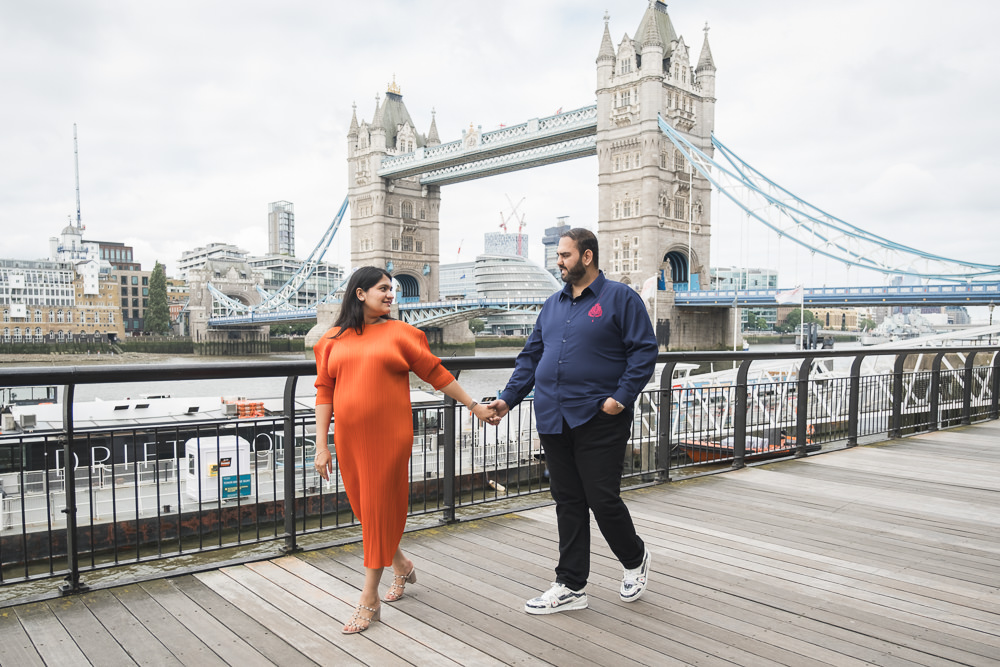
<point x="420" y="246"/>
<point x="395" y="244"/>
<point x="423" y="215"/>
<point x="406" y="209"/>
<point x="407" y="244"/>
<point x="680" y="208"/>
<point x="389" y="209"/>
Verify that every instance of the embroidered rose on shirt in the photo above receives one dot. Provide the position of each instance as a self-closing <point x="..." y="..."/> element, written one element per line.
<point x="596" y="311"/>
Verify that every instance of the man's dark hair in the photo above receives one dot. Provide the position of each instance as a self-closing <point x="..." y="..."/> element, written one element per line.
<point x="585" y="240"/>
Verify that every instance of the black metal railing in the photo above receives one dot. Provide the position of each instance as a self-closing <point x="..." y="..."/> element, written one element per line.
<point x="84" y="497"/>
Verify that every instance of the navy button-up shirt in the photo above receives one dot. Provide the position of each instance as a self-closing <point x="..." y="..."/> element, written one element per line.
<point x="582" y="351"/>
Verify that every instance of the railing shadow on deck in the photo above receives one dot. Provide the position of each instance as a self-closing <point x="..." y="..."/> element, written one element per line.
<point x="154" y="491"/>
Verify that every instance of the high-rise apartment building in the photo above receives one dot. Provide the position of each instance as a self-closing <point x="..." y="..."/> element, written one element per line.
<point x="551" y="241"/>
<point x="281" y="228"/>
<point x="503" y="243"/>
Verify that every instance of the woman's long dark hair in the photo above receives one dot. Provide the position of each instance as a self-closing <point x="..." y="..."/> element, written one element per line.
<point x="352" y="310"/>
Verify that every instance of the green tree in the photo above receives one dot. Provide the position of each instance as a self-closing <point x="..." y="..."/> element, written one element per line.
<point x="792" y="320"/>
<point x="866" y="324"/>
<point x="157" y="312"/>
<point x="476" y="325"/>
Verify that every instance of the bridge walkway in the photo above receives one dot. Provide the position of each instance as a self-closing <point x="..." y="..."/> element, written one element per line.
<point x="883" y="555"/>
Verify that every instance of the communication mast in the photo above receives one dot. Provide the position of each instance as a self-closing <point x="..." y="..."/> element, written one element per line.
<point x="76" y="165"/>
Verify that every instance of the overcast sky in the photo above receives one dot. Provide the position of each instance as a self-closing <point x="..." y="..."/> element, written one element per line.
<point x="192" y="116"/>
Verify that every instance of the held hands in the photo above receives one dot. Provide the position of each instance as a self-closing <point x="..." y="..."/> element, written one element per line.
<point x="485" y="413"/>
<point x="499" y="410"/>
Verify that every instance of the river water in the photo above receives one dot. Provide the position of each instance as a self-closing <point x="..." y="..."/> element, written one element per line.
<point x="479" y="383"/>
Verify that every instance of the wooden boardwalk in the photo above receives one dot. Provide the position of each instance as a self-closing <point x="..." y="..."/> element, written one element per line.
<point x="883" y="555"/>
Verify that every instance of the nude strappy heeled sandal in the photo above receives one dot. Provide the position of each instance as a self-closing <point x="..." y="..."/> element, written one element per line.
<point x="398" y="587"/>
<point x="358" y="623"/>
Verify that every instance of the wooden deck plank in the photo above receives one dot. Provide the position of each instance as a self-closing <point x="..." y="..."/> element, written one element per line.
<point x="227" y="645"/>
<point x="185" y="645"/>
<point x="441" y="646"/>
<point x="881" y="555"/>
<point x="16" y="647"/>
<point x="637" y="624"/>
<point x="317" y="589"/>
<point x="134" y="637"/>
<point x="230" y="583"/>
<point x="742" y="630"/>
<point x="458" y="625"/>
<point x="93" y="639"/>
<point x="260" y="636"/>
<point x="685" y="587"/>
<point x="54" y="644"/>
<point x="460" y="597"/>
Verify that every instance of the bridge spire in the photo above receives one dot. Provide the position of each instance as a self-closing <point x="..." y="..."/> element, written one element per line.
<point x="432" y="134"/>
<point x="705" y="61"/>
<point x="353" y="132"/>
<point x="607" y="51"/>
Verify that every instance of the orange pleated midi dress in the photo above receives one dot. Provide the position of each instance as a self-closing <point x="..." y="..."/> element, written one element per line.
<point x="367" y="379"/>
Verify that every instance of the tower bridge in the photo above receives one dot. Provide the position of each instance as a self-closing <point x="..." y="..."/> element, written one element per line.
<point x="652" y="131"/>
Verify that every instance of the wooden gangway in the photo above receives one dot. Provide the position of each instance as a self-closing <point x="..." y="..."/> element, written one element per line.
<point x="884" y="555"/>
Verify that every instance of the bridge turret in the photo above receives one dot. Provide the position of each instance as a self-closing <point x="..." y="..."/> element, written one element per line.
<point x="605" y="57"/>
<point x="651" y="207"/>
<point x="377" y="128"/>
<point x="706" y="81"/>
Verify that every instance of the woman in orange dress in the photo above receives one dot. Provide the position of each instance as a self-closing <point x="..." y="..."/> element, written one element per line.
<point x="363" y="369"/>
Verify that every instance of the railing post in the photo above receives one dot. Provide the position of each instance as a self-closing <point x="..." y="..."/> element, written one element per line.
<point x="970" y="360"/>
<point x="288" y="407"/>
<point x="448" y="473"/>
<point x="934" y="399"/>
<point x="664" y="445"/>
<point x="73" y="583"/>
<point x="896" y="418"/>
<point x="802" y="407"/>
<point x="995" y="387"/>
<point x="854" y="401"/>
<point x="740" y="418"/>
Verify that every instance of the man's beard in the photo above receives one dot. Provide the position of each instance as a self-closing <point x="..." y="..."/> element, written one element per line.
<point x="575" y="273"/>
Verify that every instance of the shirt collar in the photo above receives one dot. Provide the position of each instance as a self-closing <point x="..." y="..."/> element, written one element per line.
<point x="594" y="287"/>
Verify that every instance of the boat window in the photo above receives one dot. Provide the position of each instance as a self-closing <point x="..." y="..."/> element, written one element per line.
<point x="121" y="407"/>
<point x="192" y="410"/>
<point x="140" y="406"/>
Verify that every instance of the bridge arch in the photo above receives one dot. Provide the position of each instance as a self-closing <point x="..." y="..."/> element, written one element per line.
<point x="409" y="288"/>
<point x="678" y="268"/>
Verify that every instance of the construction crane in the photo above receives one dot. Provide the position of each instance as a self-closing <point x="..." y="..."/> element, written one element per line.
<point x="514" y="216"/>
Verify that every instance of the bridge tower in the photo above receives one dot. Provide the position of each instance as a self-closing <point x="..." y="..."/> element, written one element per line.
<point x="654" y="210"/>
<point x="394" y="223"/>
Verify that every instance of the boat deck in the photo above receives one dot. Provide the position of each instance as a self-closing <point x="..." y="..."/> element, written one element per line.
<point x="882" y="555"/>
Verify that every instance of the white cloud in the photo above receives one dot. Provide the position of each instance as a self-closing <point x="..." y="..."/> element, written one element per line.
<point x="193" y="116"/>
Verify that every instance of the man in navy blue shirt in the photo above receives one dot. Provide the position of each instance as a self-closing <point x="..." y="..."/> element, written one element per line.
<point x="590" y="354"/>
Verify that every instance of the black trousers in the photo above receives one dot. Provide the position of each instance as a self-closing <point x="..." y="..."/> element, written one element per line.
<point x="585" y="469"/>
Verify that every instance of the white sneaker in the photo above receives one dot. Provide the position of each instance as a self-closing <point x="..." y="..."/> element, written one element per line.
<point x="634" y="580"/>
<point x="557" y="598"/>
